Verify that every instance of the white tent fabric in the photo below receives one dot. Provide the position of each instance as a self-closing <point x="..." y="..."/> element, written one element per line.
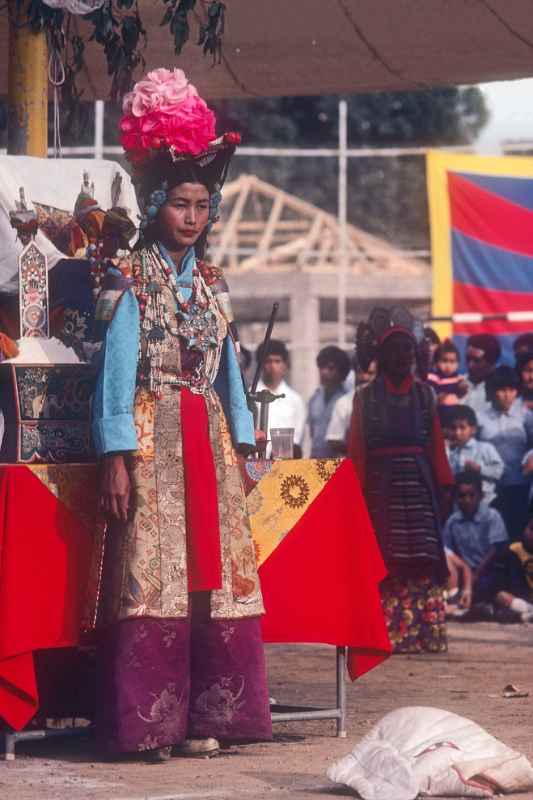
<point x="430" y="752"/>
<point x="51" y="182"/>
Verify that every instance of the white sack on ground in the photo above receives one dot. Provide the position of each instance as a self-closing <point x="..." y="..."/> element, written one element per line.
<point x="427" y="751"/>
<point x="51" y="182"/>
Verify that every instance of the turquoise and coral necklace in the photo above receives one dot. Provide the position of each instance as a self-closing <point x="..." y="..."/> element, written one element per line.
<point x="192" y="320"/>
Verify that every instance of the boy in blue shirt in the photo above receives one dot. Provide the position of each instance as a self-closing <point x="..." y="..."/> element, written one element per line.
<point x="476" y="535"/>
<point x="467" y="454"/>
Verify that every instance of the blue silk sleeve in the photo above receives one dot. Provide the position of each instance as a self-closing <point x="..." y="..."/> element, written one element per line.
<point x="113" y="428"/>
<point x="229" y="387"/>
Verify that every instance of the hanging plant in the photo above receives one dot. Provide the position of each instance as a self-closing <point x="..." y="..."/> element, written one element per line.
<point x="118" y="28"/>
<point x="123" y="39"/>
<point x="212" y="31"/>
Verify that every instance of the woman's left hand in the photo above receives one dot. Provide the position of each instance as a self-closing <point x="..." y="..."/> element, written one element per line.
<point x="245" y="449"/>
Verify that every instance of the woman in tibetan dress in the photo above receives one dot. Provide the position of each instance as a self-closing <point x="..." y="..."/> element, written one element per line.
<point x="181" y="655"/>
<point x="398" y="450"/>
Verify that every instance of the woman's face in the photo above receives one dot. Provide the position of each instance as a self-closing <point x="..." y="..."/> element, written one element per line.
<point x="527" y="376"/>
<point x="504" y="398"/>
<point x="397" y="356"/>
<point x="182" y="219"/>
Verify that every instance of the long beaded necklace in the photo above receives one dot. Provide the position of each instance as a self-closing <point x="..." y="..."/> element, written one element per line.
<point x="194" y="321"/>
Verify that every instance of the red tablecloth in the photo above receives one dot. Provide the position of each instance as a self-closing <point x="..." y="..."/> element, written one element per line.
<point x="320" y="582"/>
<point x="45" y="559"/>
<point x="320" y="578"/>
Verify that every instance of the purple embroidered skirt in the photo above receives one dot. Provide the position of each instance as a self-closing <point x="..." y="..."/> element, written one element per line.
<point x="164" y="680"/>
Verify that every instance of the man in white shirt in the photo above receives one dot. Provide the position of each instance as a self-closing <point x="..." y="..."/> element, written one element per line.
<point x="339" y="423"/>
<point x="482" y="354"/>
<point x="289" y="411"/>
<point x="339" y="426"/>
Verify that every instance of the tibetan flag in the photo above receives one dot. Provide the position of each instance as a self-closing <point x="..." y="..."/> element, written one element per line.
<point x="481" y="214"/>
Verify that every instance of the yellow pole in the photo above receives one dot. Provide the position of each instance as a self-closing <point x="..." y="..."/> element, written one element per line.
<point x="27" y="87"/>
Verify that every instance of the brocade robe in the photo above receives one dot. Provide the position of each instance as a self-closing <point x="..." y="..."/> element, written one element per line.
<point x="146" y="561"/>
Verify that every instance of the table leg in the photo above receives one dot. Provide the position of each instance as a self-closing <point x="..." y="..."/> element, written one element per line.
<point x="341" y="692"/>
<point x="11" y="739"/>
<point x="9" y="747"/>
<point x="286" y="713"/>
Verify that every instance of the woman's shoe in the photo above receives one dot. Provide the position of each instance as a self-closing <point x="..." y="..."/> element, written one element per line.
<point x="158" y="756"/>
<point x="198" y="748"/>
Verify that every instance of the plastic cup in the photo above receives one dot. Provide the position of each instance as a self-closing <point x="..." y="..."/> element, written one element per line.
<point x="282" y="441"/>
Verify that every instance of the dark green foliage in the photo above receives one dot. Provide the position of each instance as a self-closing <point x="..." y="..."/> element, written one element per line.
<point x="211" y="33"/>
<point x="387" y="196"/>
<point x="177" y="18"/>
<point x="122" y="37"/>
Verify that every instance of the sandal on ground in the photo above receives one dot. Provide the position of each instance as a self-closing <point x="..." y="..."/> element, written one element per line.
<point x="198" y="748"/>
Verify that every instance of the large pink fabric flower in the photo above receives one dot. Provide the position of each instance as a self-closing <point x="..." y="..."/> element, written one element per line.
<point x="160" y="90"/>
<point x="188" y="126"/>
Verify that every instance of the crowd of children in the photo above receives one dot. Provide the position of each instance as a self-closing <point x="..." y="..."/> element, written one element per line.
<point x="487" y="421"/>
<point x="486" y="417"/>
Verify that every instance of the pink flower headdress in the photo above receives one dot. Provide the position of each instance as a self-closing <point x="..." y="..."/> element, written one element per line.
<point x="164" y="114"/>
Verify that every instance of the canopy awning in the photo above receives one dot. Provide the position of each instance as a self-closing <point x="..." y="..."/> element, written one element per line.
<point x="299" y="47"/>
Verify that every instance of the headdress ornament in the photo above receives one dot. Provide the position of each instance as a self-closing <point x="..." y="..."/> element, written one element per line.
<point x="168" y="127"/>
<point x="381" y="325"/>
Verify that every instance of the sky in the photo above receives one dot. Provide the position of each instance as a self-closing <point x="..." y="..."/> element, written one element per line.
<point x="511" y="107"/>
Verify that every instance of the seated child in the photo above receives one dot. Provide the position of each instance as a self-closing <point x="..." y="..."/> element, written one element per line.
<point x="459" y="597"/>
<point x="508" y="425"/>
<point x="518" y="596"/>
<point x="467" y="454"/>
<point x="477" y="535"/>
<point x="445" y="380"/>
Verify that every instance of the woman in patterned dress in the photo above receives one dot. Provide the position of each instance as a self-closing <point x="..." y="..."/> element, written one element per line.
<point x="181" y="655"/>
<point x="398" y="450"/>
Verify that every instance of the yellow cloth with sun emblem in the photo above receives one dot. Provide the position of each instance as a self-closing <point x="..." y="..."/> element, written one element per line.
<point x="281" y="498"/>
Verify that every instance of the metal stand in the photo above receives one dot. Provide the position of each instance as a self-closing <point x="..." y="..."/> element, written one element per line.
<point x="12" y="739"/>
<point x="282" y="714"/>
<point x="294" y="713"/>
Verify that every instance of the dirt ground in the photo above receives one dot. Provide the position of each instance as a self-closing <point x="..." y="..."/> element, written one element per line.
<point x="482" y="659"/>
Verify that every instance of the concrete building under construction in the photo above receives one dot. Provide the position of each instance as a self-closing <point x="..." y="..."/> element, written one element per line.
<point x="277" y="247"/>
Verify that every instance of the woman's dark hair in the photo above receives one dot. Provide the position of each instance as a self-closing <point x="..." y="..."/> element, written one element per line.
<point x="447" y="346"/>
<point x="524" y="340"/>
<point x="186" y="170"/>
<point x="471" y="478"/>
<point x="488" y="343"/>
<point x="431" y="336"/>
<point x="521" y="361"/>
<point x="463" y="414"/>
<point x="502" y="378"/>
<point x="210" y="174"/>
<point x="334" y="355"/>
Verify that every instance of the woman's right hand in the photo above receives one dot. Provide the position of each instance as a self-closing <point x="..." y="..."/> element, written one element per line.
<point x="115" y="487"/>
